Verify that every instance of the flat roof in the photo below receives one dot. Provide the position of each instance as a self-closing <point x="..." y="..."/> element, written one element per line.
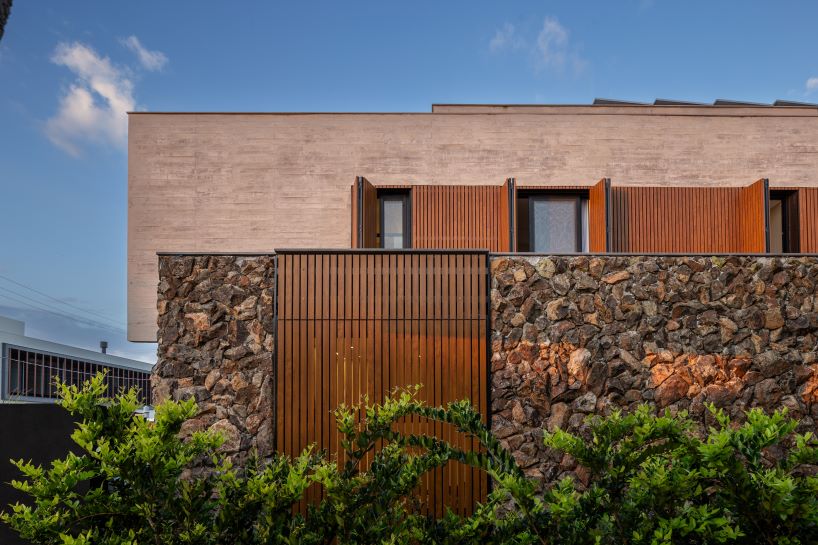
<point x="13" y="335"/>
<point x="719" y="107"/>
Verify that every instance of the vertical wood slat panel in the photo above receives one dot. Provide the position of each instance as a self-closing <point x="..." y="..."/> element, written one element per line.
<point x="597" y="225"/>
<point x="752" y="218"/>
<point x="364" y="214"/>
<point x="460" y="217"/>
<point x="808" y="218"/>
<point x="501" y="221"/>
<point x="355" y="243"/>
<point x="353" y="324"/>
<point x="687" y="219"/>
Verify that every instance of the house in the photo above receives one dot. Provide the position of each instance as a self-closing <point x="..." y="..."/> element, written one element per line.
<point x="545" y="261"/>
<point x="250" y="182"/>
<point x="30" y="366"/>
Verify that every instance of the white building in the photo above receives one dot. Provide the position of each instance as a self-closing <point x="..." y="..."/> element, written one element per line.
<point x="30" y="366"/>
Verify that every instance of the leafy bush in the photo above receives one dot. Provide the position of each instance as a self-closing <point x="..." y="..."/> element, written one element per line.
<point x="651" y="479"/>
<point x="130" y="483"/>
<point x="656" y="480"/>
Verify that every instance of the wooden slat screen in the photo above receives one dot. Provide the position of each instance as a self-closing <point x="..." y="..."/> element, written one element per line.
<point x="753" y="204"/>
<point x="364" y="214"/>
<point x="808" y="219"/>
<point x="509" y="198"/>
<point x="553" y="187"/>
<point x="688" y="219"/>
<point x="460" y="217"/>
<point x="362" y="323"/>
<point x="598" y="217"/>
<point x="504" y="232"/>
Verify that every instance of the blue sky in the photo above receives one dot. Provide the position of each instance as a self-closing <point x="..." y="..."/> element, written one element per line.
<point x="69" y="70"/>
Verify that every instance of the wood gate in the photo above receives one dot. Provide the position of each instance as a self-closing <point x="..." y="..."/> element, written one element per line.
<point x="362" y="322"/>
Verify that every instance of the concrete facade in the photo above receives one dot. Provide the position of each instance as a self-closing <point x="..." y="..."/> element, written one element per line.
<point x="255" y="182"/>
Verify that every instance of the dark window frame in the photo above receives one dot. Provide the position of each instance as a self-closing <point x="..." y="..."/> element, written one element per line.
<point x="531" y="195"/>
<point x="790" y="226"/>
<point x="405" y="196"/>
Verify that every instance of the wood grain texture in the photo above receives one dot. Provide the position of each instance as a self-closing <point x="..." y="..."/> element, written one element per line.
<point x="597" y="217"/>
<point x="357" y="324"/>
<point x="753" y="219"/>
<point x="460" y="217"/>
<point x="256" y="182"/>
<point x="808" y="219"/>
<point x="369" y="214"/>
<point x="688" y="219"/>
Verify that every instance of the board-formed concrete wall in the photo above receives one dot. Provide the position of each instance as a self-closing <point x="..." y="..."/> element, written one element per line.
<point x="571" y="336"/>
<point x="254" y="182"/>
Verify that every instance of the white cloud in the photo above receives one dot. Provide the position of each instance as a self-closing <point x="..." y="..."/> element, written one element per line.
<point x="150" y="60"/>
<point x="552" y="48"/>
<point x="505" y="38"/>
<point x="812" y="85"/>
<point x="94" y="107"/>
<point x="552" y="43"/>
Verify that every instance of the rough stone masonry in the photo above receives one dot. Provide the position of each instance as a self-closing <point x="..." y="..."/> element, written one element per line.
<point x="216" y="341"/>
<point x="571" y="336"/>
<point x="574" y="336"/>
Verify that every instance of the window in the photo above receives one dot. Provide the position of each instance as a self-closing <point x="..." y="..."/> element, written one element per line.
<point x="31" y="373"/>
<point x="784" y="229"/>
<point x="394" y="229"/>
<point x="552" y="222"/>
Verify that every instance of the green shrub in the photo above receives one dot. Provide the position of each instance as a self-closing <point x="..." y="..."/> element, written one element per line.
<point x="662" y="480"/>
<point x="375" y="505"/>
<point x="128" y="484"/>
<point x="651" y="479"/>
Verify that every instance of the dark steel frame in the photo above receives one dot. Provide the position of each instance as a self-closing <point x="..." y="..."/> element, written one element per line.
<point x="512" y="213"/>
<point x="544" y="194"/>
<point x="275" y="355"/>
<point x="790" y="220"/>
<point x="488" y="353"/>
<point x="393" y="194"/>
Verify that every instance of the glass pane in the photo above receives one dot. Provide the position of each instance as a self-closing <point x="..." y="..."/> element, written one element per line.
<point x="14" y="378"/>
<point x="555" y="224"/>
<point x="393" y="242"/>
<point x="392" y="223"/>
<point x="393" y="216"/>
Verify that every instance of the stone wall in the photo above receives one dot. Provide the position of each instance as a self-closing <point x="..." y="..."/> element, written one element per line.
<point x="216" y="340"/>
<point x="571" y="336"/>
<point x="580" y="335"/>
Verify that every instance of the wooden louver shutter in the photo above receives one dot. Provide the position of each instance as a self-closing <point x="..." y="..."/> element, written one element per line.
<point x="364" y="214"/>
<point x="754" y="217"/>
<point x="808" y="219"/>
<point x="599" y="219"/>
<point x="508" y="216"/>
